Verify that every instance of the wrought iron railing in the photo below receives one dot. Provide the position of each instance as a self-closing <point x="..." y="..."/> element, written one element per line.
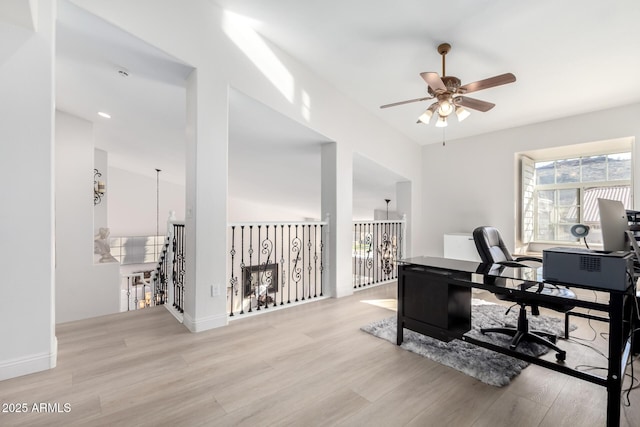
<point x="178" y="266"/>
<point x="377" y="246"/>
<point x="168" y="277"/>
<point x="162" y="275"/>
<point x="139" y="291"/>
<point x="274" y="264"/>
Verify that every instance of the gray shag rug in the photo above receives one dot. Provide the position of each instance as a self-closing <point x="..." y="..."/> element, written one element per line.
<point x="485" y="365"/>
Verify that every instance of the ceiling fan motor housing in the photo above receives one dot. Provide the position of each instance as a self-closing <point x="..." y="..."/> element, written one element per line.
<point x="451" y="83"/>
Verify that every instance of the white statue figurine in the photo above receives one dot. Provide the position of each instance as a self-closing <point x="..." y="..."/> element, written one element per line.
<point x="101" y="245"/>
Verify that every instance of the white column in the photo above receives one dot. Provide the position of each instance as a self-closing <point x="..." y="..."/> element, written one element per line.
<point x="337" y="195"/>
<point x="27" y="314"/>
<point x="206" y="202"/>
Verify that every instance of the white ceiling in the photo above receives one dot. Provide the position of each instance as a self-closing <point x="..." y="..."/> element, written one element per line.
<point x="569" y="57"/>
<point x="270" y="158"/>
<point x="148" y="116"/>
<point x="18" y="12"/>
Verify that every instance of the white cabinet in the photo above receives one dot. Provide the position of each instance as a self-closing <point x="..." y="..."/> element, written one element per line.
<point x="460" y="246"/>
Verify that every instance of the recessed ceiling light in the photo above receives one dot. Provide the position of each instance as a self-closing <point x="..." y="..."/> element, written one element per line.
<point x="105" y="115"/>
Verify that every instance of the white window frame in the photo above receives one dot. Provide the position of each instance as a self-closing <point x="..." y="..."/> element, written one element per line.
<point x="580" y="186"/>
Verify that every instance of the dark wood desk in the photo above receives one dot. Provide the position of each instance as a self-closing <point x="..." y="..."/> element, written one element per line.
<point x="434" y="298"/>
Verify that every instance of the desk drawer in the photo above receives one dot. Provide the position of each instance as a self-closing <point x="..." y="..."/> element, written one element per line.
<point x="433" y="300"/>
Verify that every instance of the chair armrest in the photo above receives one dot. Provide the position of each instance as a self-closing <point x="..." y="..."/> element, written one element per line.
<point x="528" y="258"/>
<point x="512" y="264"/>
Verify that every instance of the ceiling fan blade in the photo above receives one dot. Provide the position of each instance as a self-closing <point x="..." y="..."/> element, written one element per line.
<point x="406" y="102"/>
<point x="474" y="104"/>
<point x="434" y="81"/>
<point x="502" y="79"/>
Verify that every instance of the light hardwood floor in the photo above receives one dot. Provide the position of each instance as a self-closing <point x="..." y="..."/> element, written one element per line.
<point x="305" y="366"/>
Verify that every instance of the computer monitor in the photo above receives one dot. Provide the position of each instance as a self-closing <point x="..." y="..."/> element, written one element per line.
<point x="614" y="225"/>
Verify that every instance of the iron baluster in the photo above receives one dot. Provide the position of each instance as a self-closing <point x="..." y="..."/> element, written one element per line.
<point x="257" y="285"/>
<point x="354" y="252"/>
<point x="249" y="275"/>
<point x="233" y="280"/>
<point x="128" y="293"/>
<point x="309" y="260"/>
<point x="179" y="261"/>
<point x="360" y="242"/>
<point x="275" y="257"/>
<point x="369" y="260"/>
<point x="242" y="267"/>
<point x="282" y="272"/>
<point x="315" y="260"/>
<point x="296" y="270"/>
<point x="302" y="263"/>
<point x="289" y="263"/>
<point x="321" y="258"/>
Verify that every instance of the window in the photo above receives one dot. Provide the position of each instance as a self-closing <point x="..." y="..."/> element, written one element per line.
<point x="565" y="192"/>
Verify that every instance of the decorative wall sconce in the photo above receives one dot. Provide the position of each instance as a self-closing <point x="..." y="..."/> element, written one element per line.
<point x="99" y="187"/>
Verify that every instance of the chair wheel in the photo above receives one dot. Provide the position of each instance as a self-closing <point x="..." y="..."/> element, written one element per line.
<point x="561" y="356"/>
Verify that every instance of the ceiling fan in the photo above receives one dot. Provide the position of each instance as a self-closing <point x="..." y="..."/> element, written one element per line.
<point x="450" y="95"/>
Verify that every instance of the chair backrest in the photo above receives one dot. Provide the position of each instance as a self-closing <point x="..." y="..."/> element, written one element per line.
<point x="490" y="245"/>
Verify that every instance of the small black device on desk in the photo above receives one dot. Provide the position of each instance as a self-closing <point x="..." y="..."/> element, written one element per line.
<point x="586" y="267"/>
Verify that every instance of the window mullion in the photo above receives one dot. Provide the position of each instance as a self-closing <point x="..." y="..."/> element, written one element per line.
<point x="581" y="204"/>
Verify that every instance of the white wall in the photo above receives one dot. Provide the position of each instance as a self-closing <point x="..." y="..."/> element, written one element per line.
<point x="473" y="181"/>
<point x="132" y="203"/>
<point x="83" y="289"/>
<point x="27" y="335"/>
<point x="241" y="210"/>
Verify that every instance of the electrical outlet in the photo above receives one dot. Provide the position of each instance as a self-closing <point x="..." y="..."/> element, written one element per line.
<point x="215" y="290"/>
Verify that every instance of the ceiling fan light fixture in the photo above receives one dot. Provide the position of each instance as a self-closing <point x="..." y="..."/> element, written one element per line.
<point x="462" y="113"/>
<point x="445" y="108"/>
<point x="442" y="122"/>
<point x="450" y="95"/>
<point x="426" y="116"/>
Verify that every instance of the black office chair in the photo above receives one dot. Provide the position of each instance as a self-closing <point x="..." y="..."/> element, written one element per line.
<point x="492" y="250"/>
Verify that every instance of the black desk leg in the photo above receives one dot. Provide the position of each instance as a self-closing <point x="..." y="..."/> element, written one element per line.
<point x="616" y="339"/>
<point x="399" y="334"/>
<point x="400" y="307"/>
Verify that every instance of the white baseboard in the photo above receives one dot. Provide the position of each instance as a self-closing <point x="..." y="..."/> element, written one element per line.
<point x="28" y="365"/>
<point x="171" y="309"/>
<point x="204" y="323"/>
